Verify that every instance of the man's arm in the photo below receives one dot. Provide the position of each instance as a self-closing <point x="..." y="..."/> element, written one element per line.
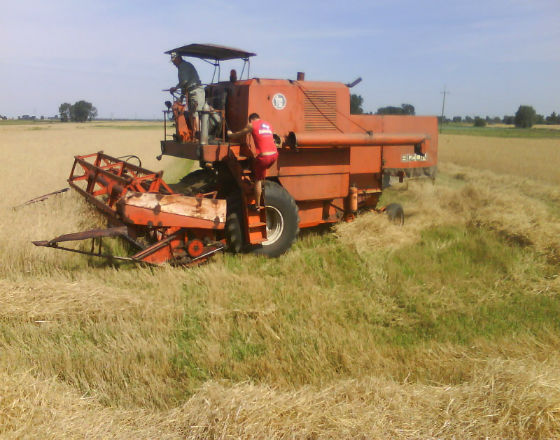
<point x="240" y="134"/>
<point x="183" y="76"/>
<point x="181" y="85"/>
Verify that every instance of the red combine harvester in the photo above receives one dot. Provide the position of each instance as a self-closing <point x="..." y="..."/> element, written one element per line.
<point x="331" y="165"/>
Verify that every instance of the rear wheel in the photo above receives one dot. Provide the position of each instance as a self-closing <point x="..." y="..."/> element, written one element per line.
<point x="282" y="221"/>
<point x="395" y="213"/>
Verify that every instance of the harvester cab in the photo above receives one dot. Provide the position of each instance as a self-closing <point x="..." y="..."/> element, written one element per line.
<point x="331" y="165"/>
<point x="213" y="113"/>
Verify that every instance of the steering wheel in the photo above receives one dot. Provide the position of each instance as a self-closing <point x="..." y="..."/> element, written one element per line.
<point x="177" y="94"/>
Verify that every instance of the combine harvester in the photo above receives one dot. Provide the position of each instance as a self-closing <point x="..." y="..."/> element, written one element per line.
<point x="331" y="165"/>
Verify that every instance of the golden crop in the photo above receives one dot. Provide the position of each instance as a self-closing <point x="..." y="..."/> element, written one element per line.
<point x="93" y="350"/>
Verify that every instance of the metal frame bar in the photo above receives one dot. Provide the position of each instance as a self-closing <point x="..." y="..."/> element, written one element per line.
<point x="108" y="179"/>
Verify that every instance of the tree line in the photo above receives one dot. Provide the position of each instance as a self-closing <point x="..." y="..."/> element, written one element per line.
<point x="80" y="111"/>
<point x="525" y="117"/>
<point x="356" y="102"/>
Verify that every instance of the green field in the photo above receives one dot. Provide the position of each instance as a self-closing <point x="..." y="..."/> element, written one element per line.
<point x="448" y="128"/>
<point x="500" y="131"/>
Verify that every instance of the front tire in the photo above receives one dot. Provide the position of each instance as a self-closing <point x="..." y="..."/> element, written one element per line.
<point x="234" y="230"/>
<point x="282" y="221"/>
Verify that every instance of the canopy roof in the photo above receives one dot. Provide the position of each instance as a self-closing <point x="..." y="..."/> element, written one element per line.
<point x="211" y="52"/>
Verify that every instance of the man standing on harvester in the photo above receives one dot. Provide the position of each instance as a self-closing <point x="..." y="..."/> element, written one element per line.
<point x="189" y="83"/>
<point x="266" y="152"/>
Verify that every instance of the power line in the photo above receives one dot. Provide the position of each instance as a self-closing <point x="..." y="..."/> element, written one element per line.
<point x="444" y="93"/>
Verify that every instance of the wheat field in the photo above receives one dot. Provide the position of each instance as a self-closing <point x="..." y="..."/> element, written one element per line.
<point x="533" y="159"/>
<point x="445" y="328"/>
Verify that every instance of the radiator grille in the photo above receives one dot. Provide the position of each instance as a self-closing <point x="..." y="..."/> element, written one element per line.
<point x="320" y="110"/>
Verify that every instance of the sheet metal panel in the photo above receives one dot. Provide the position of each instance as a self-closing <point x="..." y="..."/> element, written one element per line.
<point x="316" y="187"/>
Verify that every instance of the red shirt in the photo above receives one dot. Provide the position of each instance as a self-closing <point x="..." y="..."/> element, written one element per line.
<point x="262" y="135"/>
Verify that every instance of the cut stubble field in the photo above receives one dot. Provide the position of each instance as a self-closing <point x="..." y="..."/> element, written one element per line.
<point x="447" y="327"/>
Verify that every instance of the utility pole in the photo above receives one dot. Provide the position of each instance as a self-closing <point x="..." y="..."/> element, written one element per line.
<point x="444" y="93"/>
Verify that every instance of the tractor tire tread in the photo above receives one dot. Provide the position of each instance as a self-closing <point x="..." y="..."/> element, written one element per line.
<point x="276" y="195"/>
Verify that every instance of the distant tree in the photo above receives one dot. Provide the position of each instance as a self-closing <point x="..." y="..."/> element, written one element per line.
<point x="496" y="120"/>
<point x="479" y="122"/>
<point x="539" y="119"/>
<point x="508" y="119"/>
<point x="404" y="109"/>
<point x="553" y="118"/>
<point x="525" y="116"/>
<point x="356" y="102"/>
<point x="64" y="111"/>
<point x="389" y="110"/>
<point x="457" y="119"/>
<point x="469" y="119"/>
<point x="82" y="111"/>
<point x="408" y="109"/>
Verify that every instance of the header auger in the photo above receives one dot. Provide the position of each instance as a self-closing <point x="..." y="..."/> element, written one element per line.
<point x="331" y="165"/>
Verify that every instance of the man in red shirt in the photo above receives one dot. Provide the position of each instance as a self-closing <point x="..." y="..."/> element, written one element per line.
<point x="266" y="152"/>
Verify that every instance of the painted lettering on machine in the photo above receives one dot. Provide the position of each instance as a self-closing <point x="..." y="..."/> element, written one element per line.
<point x="412" y="157"/>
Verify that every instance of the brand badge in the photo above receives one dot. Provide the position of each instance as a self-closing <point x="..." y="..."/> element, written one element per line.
<point x="279" y="101"/>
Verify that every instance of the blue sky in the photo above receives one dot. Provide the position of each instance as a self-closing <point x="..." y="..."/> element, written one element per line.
<point x="492" y="55"/>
